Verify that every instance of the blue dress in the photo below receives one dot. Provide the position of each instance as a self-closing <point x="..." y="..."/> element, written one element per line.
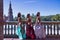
<point x="19" y="32"/>
<point x="23" y="32"/>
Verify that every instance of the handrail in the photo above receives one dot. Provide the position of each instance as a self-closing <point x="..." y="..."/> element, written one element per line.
<point x="52" y="27"/>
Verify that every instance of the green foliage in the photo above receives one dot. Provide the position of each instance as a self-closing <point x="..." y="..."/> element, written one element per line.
<point x="15" y="19"/>
<point x="23" y="17"/>
<point x="56" y="17"/>
<point x="33" y="17"/>
<point x="43" y="18"/>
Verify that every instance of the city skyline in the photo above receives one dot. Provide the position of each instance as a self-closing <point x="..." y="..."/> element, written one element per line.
<point x="45" y="7"/>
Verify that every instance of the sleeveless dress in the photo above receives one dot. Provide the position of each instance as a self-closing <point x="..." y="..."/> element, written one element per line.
<point x="30" y="32"/>
<point x="23" y="32"/>
<point x="19" y="32"/>
<point x="39" y="31"/>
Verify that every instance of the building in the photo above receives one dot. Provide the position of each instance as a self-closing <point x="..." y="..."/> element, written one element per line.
<point x="5" y="18"/>
<point x="10" y="13"/>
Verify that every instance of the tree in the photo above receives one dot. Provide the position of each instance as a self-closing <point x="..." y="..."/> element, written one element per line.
<point x="56" y="17"/>
<point x="33" y="17"/>
<point x="15" y="19"/>
<point x="23" y="17"/>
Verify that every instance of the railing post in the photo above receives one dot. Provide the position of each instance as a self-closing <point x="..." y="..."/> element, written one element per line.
<point x="8" y="29"/>
<point x="57" y="29"/>
<point x="47" y="29"/>
<point x="54" y="29"/>
<point x="51" y="28"/>
<point x="44" y="25"/>
<point x="11" y="29"/>
<point x="14" y="29"/>
<point x="5" y="29"/>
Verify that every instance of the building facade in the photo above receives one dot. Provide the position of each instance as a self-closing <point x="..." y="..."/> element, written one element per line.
<point x="10" y="13"/>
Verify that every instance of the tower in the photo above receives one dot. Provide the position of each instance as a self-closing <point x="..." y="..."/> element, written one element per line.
<point x="10" y="13"/>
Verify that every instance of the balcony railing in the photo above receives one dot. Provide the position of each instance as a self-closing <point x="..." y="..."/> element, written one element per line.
<point x="52" y="28"/>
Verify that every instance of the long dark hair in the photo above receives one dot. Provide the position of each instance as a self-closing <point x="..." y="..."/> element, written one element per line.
<point x="28" y="16"/>
<point x="38" y="17"/>
<point x="38" y="14"/>
<point x="19" y="17"/>
<point x="19" y="14"/>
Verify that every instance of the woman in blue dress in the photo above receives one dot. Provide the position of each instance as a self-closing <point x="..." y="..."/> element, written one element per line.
<point x="20" y="29"/>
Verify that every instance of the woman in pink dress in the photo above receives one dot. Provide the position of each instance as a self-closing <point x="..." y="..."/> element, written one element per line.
<point x="39" y="28"/>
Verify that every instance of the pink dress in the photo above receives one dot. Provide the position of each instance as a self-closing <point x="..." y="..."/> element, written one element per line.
<point x="39" y="31"/>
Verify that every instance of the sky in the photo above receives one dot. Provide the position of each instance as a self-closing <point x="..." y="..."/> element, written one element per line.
<point x="45" y="7"/>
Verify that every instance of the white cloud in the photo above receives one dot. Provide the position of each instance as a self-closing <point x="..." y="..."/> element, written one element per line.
<point x="32" y="1"/>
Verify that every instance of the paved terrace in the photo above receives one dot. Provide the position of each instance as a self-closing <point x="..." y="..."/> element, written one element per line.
<point x="30" y="39"/>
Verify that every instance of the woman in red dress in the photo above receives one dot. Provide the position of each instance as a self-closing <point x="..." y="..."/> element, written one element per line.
<point x="29" y="28"/>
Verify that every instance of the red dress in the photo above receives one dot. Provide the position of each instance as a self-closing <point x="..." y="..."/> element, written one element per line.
<point x="30" y="32"/>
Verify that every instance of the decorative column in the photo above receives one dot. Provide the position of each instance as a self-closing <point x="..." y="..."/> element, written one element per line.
<point x="1" y="19"/>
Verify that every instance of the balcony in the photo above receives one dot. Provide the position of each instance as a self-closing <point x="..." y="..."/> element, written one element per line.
<point x="52" y="29"/>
